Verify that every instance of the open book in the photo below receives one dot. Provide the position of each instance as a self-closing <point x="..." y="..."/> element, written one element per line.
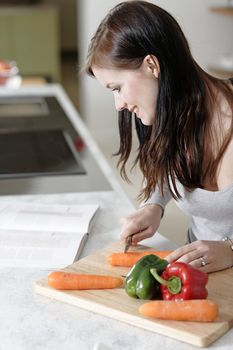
<point x="43" y="235"/>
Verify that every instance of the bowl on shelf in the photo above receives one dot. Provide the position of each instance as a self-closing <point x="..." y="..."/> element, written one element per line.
<point x="9" y="74"/>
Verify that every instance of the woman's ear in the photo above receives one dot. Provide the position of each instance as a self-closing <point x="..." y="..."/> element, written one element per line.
<point x="151" y="62"/>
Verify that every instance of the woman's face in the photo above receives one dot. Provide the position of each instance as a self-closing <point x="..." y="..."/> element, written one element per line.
<point x="135" y="90"/>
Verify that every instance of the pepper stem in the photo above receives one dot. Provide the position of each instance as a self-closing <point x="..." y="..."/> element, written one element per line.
<point x="173" y="283"/>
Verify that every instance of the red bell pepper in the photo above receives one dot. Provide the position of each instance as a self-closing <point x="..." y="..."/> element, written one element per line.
<point x="181" y="281"/>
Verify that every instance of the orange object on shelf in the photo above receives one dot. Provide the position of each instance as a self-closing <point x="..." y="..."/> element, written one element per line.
<point x="8" y="69"/>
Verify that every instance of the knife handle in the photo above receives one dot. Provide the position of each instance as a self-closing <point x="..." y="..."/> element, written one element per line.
<point x="128" y="243"/>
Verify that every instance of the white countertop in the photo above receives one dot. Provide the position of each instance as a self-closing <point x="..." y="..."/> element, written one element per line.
<point x="35" y="322"/>
<point x="31" y="321"/>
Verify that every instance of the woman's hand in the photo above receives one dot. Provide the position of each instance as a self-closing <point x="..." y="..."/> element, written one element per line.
<point x="209" y="256"/>
<point x="142" y="224"/>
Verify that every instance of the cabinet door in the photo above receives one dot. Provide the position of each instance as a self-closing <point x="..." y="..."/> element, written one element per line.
<point x="6" y="35"/>
<point x="31" y="38"/>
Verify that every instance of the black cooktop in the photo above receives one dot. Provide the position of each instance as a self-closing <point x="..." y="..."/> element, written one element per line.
<point x="38" y="153"/>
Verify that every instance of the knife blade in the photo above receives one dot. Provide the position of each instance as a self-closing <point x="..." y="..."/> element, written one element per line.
<point x="128" y="243"/>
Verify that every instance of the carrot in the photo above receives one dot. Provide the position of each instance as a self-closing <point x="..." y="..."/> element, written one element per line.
<point x="130" y="258"/>
<point x="202" y="310"/>
<point x="65" y="281"/>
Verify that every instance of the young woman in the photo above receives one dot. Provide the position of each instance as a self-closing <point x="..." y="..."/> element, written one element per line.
<point x="184" y="123"/>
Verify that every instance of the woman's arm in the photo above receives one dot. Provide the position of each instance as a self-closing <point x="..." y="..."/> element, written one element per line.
<point x="145" y="221"/>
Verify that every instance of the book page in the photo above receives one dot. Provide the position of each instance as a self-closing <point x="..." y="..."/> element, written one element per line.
<point x="43" y="236"/>
<point x="40" y="217"/>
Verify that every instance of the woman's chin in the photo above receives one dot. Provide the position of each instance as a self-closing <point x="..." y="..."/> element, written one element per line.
<point x="145" y="122"/>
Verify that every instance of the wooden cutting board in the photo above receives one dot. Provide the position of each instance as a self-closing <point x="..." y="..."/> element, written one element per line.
<point x="115" y="303"/>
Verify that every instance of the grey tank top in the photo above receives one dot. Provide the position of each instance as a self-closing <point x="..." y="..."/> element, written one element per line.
<point x="211" y="212"/>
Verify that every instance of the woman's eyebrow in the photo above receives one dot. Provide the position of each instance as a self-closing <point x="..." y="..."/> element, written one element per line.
<point x="110" y="85"/>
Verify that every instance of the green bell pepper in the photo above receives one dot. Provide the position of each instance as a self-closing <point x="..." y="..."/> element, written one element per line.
<point x="139" y="282"/>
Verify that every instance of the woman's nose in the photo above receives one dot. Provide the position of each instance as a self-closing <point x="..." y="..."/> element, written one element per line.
<point x="119" y="104"/>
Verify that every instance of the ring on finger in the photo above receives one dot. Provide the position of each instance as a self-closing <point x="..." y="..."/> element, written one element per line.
<point x="203" y="262"/>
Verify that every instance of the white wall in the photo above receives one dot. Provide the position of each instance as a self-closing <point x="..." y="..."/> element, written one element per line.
<point x="209" y="35"/>
<point x="96" y="104"/>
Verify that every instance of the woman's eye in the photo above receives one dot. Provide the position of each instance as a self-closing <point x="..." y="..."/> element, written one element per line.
<point x="117" y="89"/>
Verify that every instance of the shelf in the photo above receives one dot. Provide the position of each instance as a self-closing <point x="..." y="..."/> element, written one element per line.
<point x="223" y="10"/>
<point x="220" y="72"/>
<point x="214" y="69"/>
<point x="34" y="81"/>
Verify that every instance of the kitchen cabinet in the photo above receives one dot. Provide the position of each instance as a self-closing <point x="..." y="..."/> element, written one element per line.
<point x="29" y="35"/>
<point x="217" y="69"/>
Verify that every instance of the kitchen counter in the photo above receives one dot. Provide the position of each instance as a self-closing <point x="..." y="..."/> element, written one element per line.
<point x="35" y="322"/>
<point x="31" y="321"/>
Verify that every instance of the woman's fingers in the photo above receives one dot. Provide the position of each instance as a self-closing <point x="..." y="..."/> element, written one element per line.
<point x="129" y="227"/>
<point x="185" y="254"/>
<point x="209" y="256"/>
<point x="137" y="231"/>
<point x="144" y="234"/>
<point x="142" y="224"/>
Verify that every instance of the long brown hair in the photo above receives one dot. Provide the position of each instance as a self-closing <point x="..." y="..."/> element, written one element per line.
<point x="178" y="146"/>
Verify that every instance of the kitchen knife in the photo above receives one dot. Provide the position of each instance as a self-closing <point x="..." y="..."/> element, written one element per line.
<point x="128" y="243"/>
